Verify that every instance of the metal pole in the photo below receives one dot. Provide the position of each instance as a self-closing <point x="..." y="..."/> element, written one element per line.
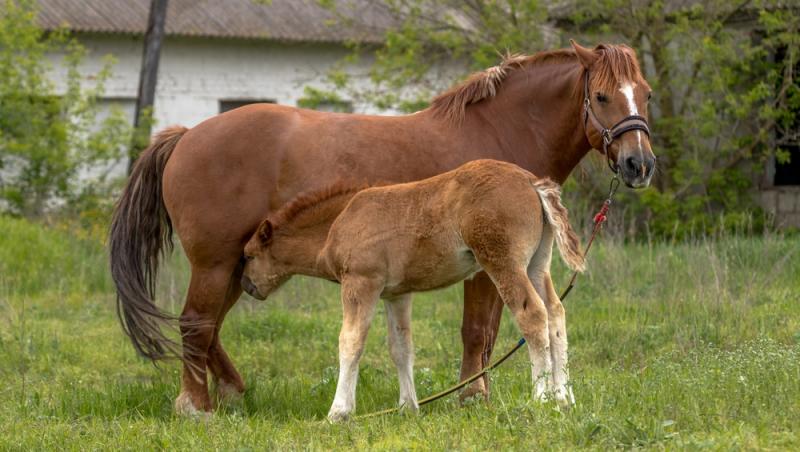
<point x="148" y="77"/>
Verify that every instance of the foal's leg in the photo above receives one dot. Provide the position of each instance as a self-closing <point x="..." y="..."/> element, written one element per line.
<point x="558" y="344"/>
<point x="539" y="274"/>
<point x="359" y="297"/>
<point x="227" y="381"/>
<point x="530" y="315"/>
<point x="401" y="347"/>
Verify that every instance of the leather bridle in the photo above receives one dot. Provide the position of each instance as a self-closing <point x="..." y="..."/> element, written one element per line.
<point x="626" y="124"/>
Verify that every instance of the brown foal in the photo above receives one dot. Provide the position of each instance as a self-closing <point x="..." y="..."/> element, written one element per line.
<point x="216" y="182"/>
<point x="390" y="241"/>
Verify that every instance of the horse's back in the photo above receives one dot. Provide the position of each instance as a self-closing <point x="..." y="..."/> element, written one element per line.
<point x="229" y="171"/>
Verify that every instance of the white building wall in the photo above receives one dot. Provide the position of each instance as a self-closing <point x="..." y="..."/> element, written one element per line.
<point x="196" y="73"/>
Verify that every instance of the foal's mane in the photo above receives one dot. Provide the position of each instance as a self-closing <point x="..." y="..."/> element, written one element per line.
<point x="615" y="64"/>
<point x="306" y="201"/>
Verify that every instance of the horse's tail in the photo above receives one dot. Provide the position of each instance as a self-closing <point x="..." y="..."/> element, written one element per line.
<point x="141" y="230"/>
<point x="568" y="244"/>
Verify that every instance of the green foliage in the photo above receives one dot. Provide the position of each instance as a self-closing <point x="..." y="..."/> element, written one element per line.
<point x="317" y="99"/>
<point x="434" y="42"/>
<point x="52" y="145"/>
<point x="671" y="347"/>
<point x="720" y="96"/>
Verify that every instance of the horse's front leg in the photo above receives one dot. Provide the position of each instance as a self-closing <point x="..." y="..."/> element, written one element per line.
<point x="401" y="347"/>
<point x="359" y="297"/>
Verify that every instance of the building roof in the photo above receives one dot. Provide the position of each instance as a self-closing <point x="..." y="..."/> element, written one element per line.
<point x="280" y="20"/>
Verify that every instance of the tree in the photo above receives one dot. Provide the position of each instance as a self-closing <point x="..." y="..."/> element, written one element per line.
<point x="719" y="94"/>
<point x="52" y="146"/>
<point x="434" y="42"/>
<point x="143" y="118"/>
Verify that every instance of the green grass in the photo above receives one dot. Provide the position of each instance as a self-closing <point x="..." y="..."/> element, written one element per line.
<point x="681" y="346"/>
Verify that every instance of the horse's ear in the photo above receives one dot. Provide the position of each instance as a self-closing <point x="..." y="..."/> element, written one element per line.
<point x="265" y="232"/>
<point x="587" y="57"/>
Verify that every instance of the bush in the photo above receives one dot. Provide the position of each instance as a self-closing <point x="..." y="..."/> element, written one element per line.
<point x="52" y="146"/>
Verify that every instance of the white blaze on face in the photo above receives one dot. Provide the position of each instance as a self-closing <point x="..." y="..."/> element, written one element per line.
<point x="627" y="91"/>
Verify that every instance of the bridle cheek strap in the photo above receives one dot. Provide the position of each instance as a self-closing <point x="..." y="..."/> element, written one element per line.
<point x="626" y="124"/>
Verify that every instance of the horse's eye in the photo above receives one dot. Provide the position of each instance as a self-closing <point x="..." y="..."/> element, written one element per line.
<point x="649" y="95"/>
<point x="248" y="258"/>
<point x="601" y="98"/>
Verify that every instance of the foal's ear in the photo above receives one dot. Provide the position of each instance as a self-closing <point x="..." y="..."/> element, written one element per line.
<point x="587" y="57"/>
<point x="265" y="232"/>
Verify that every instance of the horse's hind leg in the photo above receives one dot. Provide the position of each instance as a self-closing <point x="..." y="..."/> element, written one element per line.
<point x="401" y="347"/>
<point x="228" y="383"/>
<point x="204" y="302"/>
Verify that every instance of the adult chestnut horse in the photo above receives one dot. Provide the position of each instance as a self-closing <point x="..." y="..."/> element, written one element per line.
<point x="216" y="182"/>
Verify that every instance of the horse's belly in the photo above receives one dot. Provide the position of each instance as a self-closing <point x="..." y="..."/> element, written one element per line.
<point x="434" y="272"/>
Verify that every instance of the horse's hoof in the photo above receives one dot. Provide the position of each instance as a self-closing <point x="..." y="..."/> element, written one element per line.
<point x="228" y="393"/>
<point x="473" y="394"/>
<point x="185" y="408"/>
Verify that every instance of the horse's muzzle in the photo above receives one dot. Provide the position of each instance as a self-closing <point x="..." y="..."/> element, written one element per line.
<point x="251" y="288"/>
<point x="637" y="170"/>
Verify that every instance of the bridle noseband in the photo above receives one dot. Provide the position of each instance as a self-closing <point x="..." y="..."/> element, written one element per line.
<point x="626" y="124"/>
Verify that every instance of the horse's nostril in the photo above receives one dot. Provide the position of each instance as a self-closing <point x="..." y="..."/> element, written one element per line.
<point x="631" y="164"/>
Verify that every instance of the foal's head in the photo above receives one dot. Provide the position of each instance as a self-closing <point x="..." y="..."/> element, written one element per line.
<point x="617" y="90"/>
<point x="288" y="242"/>
<point x="264" y="272"/>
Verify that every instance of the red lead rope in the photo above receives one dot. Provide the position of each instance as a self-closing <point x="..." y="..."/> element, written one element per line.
<point x="601" y="216"/>
<point x="599" y="219"/>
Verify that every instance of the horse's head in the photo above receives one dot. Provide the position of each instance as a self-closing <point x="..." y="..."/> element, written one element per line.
<point x="615" y="108"/>
<point x="264" y="271"/>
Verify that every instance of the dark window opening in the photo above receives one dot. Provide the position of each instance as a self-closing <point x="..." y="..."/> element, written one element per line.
<point x="787" y="138"/>
<point x="230" y="104"/>
<point x="789" y="173"/>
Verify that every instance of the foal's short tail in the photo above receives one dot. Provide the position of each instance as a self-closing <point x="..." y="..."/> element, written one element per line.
<point x="140" y="232"/>
<point x="568" y="244"/>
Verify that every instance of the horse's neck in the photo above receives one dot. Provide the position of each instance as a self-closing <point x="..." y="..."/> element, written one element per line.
<point x="536" y="119"/>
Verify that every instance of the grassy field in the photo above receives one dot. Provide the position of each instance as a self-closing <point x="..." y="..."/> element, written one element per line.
<point x="673" y="346"/>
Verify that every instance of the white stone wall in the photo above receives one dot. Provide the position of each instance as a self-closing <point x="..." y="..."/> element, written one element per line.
<point x="196" y="73"/>
<point x="784" y="203"/>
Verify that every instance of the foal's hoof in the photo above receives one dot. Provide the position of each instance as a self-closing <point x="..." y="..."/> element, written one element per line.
<point x="338" y="415"/>
<point x="409" y="407"/>
<point x="185" y="408"/>
<point x="565" y="398"/>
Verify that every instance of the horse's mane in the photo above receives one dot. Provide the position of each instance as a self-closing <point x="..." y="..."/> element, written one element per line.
<point x="305" y="201"/>
<point x="616" y="63"/>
